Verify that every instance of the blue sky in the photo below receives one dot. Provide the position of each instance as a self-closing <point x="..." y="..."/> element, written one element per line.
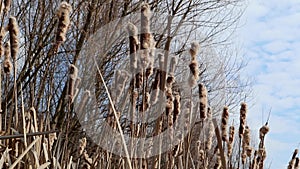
<point x="270" y="35"/>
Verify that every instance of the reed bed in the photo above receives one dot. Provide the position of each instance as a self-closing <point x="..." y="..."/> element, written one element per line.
<point x="30" y="140"/>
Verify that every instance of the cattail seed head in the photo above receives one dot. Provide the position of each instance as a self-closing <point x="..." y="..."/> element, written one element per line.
<point x="297" y="163"/>
<point x="63" y="14"/>
<point x="173" y="65"/>
<point x="243" y="114"/>
<point x="2" y="34"/>
<point x="7" y="65"/>
<point x="225" y="116"/>
<point x="82" y="145"/>
<point x="230" y="140"/>
<point x="194" y="76"/>
<point x="13" y="29"/>
<point x="73" y="74"/>
<point x="263" y="131"/>
<point x="177" y="107"/>
<point x="295" y="153"/>
<point x="203" y="101"/>
<point x="209" y="135"/>
<point x="133" y="32"/>
<point x="6" y="4"/>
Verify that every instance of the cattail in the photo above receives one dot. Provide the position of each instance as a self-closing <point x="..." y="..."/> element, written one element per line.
<point x="254" y="164"/>
<point x="246" y="138"/>
<point x="194" y="50"/>
<point x="173" y="65"/>
<point x="82" y="145"/>
<point x="297" y="163"/>
<point x="63" y="14"/>
<point x="13" y="29"/>
<point x="73" y="73"/>
<point x="52" y="138"/>
<point x="145" y="37"/>
<point x="243" y="114"/>
<point x="120" y="82"/>
<point x="244" y="157"/>
<point x="194" y="70"/>
<point x="225" y="116"/>
<point x="7" y="65"/>
<point x="133" y="45"/>
<point x="249" y="151"/>
<point x="2" y="34"/>
<point x="263" y="131"/>
<point x="6" y="4"/>
<point x="262" y="155"/>
<point x="209" y="135"/>
<point x="292" y="162"/>
<point x="203" y="101"/>
<point x="230" y="140"/>
<point x="155" y="88"/>
<point x="145" y="26"/>
<point x="194" y="76"/>
<point x="177" y="107"/>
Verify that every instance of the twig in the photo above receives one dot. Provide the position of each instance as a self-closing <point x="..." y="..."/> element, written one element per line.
<point x="28" y="135"/>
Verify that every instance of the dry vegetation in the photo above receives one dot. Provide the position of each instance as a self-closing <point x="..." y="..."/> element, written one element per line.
<point x="41" y="89"/>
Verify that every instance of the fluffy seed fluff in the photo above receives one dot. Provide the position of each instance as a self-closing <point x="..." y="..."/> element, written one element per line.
<point x="13" y="29"/>
<point x="194" y="50"/>
<point x="63" y="13"/>
<point x="133" y="32"/>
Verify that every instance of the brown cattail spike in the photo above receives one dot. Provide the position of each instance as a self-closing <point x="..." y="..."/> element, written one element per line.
<point x="243" y="114"/>
<point x="73" y="74"/>
<point x="203" y="101"/>
<point x="263" y="131"/>
<point x="194" y="76"/>
<point x="63" y="14"/>
<point x="133" y="45"/>
<point x="6" y="4"/>
<point x="13" y="29"/>
<point x="2" y="34"/>
<point x="225" y="116"/>
<point x="230" y="140"/>
<point x="7" y="65"/>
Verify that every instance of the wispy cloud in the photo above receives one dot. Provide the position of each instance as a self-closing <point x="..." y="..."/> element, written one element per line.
<point x="272" y="41"/>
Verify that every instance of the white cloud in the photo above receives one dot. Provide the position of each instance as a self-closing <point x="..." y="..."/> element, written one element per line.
<point x="272" y="41"/>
